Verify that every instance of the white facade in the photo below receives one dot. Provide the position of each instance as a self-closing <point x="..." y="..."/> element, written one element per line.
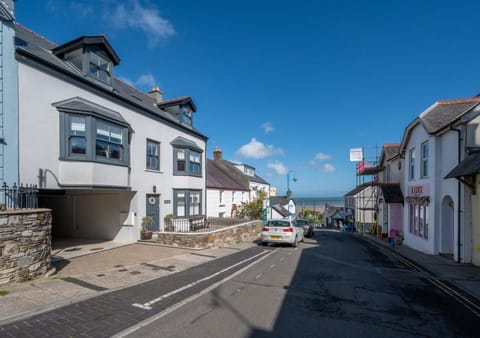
<point x="225" y="203"/>
<point x="430" y="221"/>
<point x="100" y="200"/>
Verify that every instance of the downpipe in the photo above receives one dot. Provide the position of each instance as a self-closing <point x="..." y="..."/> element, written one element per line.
<point x="459" y="195"/>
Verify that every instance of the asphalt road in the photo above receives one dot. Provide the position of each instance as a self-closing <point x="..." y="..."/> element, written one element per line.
<point x="337" y="285"/>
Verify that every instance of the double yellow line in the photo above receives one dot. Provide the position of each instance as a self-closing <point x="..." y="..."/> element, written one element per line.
<point x="474" y="308"/>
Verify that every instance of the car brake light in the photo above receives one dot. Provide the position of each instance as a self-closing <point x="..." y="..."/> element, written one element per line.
<point x="265" y="229"/>
<point x="288" y="230"/>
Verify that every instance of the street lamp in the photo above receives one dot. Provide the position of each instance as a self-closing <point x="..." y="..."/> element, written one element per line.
<point x="289" y="192"/>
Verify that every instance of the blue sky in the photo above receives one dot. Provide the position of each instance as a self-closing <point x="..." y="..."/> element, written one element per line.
<point x="286" y="85"/>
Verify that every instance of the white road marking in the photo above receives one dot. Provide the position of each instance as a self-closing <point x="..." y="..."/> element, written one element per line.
<point x="258" y="276"/>
<point x="190" y="299"/>
<point x="272" y="266"/>
<point x="282" y="258"/>
<point x="148" y="305"/>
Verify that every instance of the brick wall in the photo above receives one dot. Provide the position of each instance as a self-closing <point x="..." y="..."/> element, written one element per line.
<point x="246" y="232"/>
<point x="25" y="244"/>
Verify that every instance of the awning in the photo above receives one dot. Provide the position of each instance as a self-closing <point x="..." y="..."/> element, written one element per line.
<point x="392" y="193"/>
<point x="469" y="166"/>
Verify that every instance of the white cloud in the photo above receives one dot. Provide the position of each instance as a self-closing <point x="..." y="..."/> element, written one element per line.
<point x="144" y="18"/>
<point x="278" y="167"/>
<point x="328" y="168"/>
<point x="322" y="157"/>
<point x="146" y="80"/>
<point x="268" y="127"/>
<point x="256" y="149"/>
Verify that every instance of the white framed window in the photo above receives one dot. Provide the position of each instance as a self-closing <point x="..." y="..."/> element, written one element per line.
<point x="425" y="155"/>
<point x="411" y="164"/>
<point x="221" y="196"/>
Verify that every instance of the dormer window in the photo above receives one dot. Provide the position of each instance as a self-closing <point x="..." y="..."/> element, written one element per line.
<point x="99" y="68"/>
<point x="92" y="56"/>
<point x="187" y="116"/>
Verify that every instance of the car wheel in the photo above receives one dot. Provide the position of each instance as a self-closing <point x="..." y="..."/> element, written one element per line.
<point x="264" y="243"/>
<point x="295" y="242"/>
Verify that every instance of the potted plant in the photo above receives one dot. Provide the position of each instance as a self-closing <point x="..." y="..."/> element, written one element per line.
<point x="168" y="222"/>
<point x="146" y="232"/>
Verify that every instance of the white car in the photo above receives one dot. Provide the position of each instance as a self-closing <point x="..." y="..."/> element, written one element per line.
<point x="282" y="231"/>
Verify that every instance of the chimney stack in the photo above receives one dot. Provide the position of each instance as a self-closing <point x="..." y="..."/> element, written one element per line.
<point x="156" y="94"/>
<point x="217" y="154"/>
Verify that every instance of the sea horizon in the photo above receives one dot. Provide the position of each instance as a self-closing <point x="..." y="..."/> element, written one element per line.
<point x="314" y="202"/>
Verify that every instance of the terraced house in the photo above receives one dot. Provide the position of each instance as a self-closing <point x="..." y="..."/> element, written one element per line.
<point x="103" y="153"/>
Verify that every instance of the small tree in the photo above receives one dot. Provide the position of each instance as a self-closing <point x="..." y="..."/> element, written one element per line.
<point x="252" y="210"/>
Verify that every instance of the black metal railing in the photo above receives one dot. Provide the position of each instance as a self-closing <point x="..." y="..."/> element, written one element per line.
<point x="19" y="197"/>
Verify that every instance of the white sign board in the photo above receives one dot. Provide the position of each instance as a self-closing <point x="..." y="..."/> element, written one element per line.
<point x="356" y="154"/>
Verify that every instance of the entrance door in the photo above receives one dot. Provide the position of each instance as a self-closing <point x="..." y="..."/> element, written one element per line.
<point x="153" y="210"/>
<point x="447" y="227"/>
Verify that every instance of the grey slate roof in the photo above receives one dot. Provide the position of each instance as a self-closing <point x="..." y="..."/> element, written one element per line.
<point x="469" y="166"/>
<point x="391" y="193"/>
<point x="442" y="113"/>
<point x="331" y="210"/>
<point x="31" y="46"/>
<point x="223" y="175"/>
<point x="79" y="104"/>
<point x="390" y="150"/>
<point x="280" y="200"/>
<point x="281" y="210"/>
<point x="359" y="188"/>
<point x="258" y="179"/>
<point x="183" y="142"/>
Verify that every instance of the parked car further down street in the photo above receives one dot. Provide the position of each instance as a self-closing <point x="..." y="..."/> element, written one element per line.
<point x="282" y="231"/>
<point x="307" y="227"/>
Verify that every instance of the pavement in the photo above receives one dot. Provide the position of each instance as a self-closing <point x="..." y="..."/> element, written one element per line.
<point x="93" y="269"/>
<point x="88" y="270"/>
<point x="465" y="278"/>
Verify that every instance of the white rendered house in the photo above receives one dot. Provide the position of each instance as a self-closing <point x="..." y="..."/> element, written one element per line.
<point x="227" y="187"/>
<point x="437" y="212"/>
<point x="103" y="153"/>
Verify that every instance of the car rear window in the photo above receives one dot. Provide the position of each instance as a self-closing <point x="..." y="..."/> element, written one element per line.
<point x="278" y="223"/>
<point x="302" y="222"/>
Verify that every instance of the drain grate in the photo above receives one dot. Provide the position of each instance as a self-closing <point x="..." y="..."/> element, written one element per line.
<point x="135" y="272"/>
<point x="96" y="249"/>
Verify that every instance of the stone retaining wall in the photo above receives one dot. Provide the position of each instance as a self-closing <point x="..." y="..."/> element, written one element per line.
<point x="245" y="232"/>
<point x="25" y="244"/>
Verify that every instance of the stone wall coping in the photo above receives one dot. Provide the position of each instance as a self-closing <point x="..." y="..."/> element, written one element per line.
<point x="208" y="232"/>
<point x="23" y="211"/>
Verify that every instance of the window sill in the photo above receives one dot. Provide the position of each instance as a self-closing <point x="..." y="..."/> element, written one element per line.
<point x="154" y="171"/>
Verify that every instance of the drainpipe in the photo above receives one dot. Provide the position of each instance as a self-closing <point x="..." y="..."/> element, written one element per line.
<point x="459" y="243"/>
